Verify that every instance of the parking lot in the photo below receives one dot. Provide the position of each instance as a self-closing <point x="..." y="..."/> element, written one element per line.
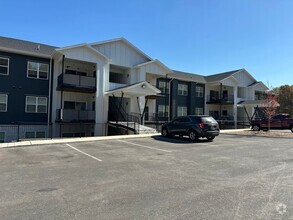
<point x="233" y="177"/>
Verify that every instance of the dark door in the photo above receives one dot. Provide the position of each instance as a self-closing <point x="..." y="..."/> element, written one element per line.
<point x="146" y="113"/>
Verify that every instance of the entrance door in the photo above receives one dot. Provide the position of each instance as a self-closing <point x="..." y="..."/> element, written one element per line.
<point x="146" y="113"/>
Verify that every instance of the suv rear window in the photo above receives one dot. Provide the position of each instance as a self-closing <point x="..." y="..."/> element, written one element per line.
<point x="208" y="120"/>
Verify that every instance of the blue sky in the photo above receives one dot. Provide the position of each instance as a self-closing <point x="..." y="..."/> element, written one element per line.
<point x="197" y="36"/>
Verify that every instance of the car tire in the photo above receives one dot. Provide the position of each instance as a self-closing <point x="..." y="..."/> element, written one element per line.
<point x="291" y="128"/>
<point x="210" y="138"/>
<point x="256" y="127"/>
<point x="165" y="132"/>
<point x="192" y="135"/>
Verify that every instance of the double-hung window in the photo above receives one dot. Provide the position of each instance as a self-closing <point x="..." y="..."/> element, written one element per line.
<point x="4" y="66"/>
<point x="198" y="111"/>
<point x="164" y="87"/>
<point x="181" y="110"/>
<point x="3" y="102"/>
<point x="199" y="91"/>
<point x="163" y="111"/>
<point x="182" y="89"/>
<point x="36" y="104"/>
<point x="37" y="70"/>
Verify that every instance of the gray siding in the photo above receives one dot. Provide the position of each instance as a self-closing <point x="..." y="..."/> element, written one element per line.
<point x="18" y="86"/>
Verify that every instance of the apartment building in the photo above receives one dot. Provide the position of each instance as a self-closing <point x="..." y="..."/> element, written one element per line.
<point x="85" y="89"/>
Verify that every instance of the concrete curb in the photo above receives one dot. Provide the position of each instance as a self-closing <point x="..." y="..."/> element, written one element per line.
<point x="87" y="139"/>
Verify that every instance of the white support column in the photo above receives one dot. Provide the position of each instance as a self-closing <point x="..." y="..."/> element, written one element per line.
<point x="235" y="90"/>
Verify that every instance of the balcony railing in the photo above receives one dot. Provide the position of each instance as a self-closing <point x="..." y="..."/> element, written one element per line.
<point x="224" y="100"/>
<point x="76" y="82"/>
<point x="113" y="85"/>
<point x="70" y="115"/>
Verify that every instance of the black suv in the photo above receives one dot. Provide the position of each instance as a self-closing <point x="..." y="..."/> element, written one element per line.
<point x="195" y="126"/>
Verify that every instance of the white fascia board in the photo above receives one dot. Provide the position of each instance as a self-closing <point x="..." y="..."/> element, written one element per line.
<point x="86" y="46"/>
<point x="24" y="52"/>
<point x="125" y="41"/>
<point x="261" y="84"/>
<point x="125" y="89"/>
<point x="157" y="62"/>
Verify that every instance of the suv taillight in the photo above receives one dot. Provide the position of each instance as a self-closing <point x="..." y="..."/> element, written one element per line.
<point x="201" y="125"/>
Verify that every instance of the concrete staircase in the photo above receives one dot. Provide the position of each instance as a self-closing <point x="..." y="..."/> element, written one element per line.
<point x="140" y="129"/>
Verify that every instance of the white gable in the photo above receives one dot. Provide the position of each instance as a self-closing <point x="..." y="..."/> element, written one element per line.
<point x="154" y="67"/>
<point x="244" y="78"/>
<point x="121" y="54"/>
<point x="231" y="81"/>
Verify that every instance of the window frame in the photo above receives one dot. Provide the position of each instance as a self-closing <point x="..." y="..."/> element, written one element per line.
<point x="35" y="134"/>
<point x="5" y="103"/>
<point x="199" y="91"/>
<point x="197" y="112"/>
<point x="163" y="112"/>
<point x="2" y="74"/>
<point x="181" y="90"/>
<point x="38" y="70"/>
<point x="165" y="88"/>
<point x="182" y="107"/>
<point x="37" y="98"/>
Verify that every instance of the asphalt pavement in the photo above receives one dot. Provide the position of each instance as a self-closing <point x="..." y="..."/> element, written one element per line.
<point x="233" y="177"/>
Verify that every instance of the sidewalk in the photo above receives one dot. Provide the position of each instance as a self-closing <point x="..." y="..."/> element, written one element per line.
<point x="86" y="139"/>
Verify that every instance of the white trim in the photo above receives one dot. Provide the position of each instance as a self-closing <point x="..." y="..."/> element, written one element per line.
<point x="6" y="102"/>
<point x="86" y="46"/>
<point x="185" y="86"/>
<point x="37" y="100"/>
<point x="125" y="41"/>
<point x="38" y="70"/>
<point x="5" y="66"/>
<point x="200" y="92"/>
<point x="156" y="62"/>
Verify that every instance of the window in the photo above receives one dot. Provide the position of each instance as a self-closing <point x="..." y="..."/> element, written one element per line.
<point x="35" y="134"/>
<point x="198" y="111"/>
<point x="37" y="70"/>
<point x="161" y="111"/>
<point x="185" y="120"/>
<point x="181" y="110"/>
<point x="182" y="89"/>
<point x="2" y="137"/>
<point x="4" y="66"/>
<point x="36" y="104"/>
<point x="163" y="87"/>
<point x="199" y="91"/>
<point x="3" y="102"/>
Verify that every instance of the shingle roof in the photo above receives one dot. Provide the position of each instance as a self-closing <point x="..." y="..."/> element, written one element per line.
<point x="220" y="76"/>
<point x="187" y="76"/>
<point x="26" y="46"/>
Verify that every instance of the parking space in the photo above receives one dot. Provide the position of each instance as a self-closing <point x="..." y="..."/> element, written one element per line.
<point x="233" y="177"/>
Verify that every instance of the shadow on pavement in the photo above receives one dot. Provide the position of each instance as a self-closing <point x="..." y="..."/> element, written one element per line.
<point x="179" y="140"/>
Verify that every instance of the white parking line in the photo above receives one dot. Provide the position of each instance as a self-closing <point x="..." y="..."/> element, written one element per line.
<point x="95" y="158"/>
<point x="153" y="148"/>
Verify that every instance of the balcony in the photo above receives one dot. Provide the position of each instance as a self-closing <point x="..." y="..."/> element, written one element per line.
<point x="76" y="83"/>
<point x="220" y="100"/>
<point x="75" y="116"/>
<point x="113" y="85"/>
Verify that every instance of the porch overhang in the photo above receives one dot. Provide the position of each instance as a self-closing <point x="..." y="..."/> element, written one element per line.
<point x="134" y="90"/>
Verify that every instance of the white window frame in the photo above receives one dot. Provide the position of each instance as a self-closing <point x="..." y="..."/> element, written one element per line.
<point x="35" y="134"/>
<point x="5" y="58"/>
<point x="6" y="103"/>
<point x="181" y="111"/>
<point x="199" y="91"/>
<point x="198" y="111"/>
<point x="165" y="88"/>
<point x="161" y="111"/>
<point x="38" y="70"/>
<point x="182" y="89"/>
<point x="37" y="100"/>
<point x="2" y="140"/>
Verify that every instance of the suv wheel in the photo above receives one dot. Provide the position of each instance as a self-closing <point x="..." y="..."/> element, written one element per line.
<point x="192" y="135"/>
<point x="164" y="132"/>
<point x="291" y="128"/>
<point x="255" y="127"/>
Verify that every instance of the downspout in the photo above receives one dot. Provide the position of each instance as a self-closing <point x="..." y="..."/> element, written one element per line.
<point x="50" y="95"/>
<point x="170" y="83"/>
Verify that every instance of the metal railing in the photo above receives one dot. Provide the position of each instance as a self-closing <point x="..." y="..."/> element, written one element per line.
<point x="218" y="99"/>
<point x="78" y="81"/>
<point x="71" y="115"/>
